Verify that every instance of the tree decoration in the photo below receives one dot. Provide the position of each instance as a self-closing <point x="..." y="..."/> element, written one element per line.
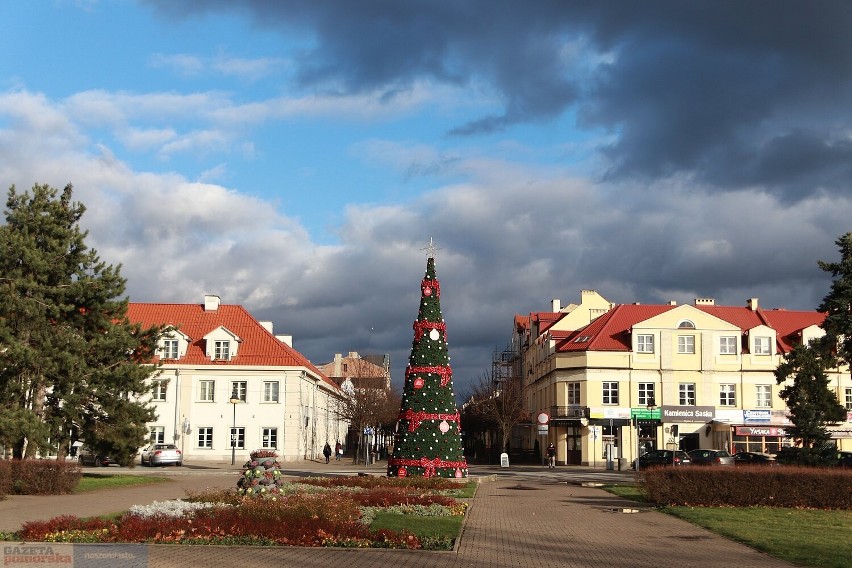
<point x="428" y="440"/>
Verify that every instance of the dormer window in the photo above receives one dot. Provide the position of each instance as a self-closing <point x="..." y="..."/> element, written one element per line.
<point x="763" y="346"/>
<point x="222" y="350"/>
<point x="173" y="345"/>
<point x="169" y="350"/>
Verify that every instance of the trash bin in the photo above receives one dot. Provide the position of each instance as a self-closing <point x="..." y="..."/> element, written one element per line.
<point x="622" y="464"/>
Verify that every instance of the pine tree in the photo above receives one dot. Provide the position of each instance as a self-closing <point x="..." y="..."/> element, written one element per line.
<point x="428" y="437"/>
<point x="71" y="364"/>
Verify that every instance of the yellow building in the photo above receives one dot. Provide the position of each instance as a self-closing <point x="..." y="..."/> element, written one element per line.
<point x="614" y="380"/>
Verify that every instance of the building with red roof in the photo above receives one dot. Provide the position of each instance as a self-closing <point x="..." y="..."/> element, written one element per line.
<point x="226" y="385"/>
<point x="615" y="382"/>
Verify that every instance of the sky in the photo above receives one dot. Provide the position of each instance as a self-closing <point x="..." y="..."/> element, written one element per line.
<point x="297" y="157"/>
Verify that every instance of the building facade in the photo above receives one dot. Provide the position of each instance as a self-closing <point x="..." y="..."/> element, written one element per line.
<point x="227" y="386"/>
<point x="613" y="381"/>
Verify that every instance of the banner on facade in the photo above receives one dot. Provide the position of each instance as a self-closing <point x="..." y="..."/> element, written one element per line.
<point x="688" y="413"/>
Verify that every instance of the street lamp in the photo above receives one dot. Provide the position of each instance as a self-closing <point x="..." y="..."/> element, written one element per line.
<point x="235" y="399"/>
<point x="650" y="406"/>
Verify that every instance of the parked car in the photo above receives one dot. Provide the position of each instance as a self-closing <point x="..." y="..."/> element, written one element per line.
<point x="754" y="458"/>
<point x="657" y="458"/>
<point x="86" y="456"/>
<point x="711" y="457"/>
<point x="162" y="454"/>
<point x="844" y="459"/>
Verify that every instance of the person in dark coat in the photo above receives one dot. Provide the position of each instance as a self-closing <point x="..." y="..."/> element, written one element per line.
<point x="326" y="451"/>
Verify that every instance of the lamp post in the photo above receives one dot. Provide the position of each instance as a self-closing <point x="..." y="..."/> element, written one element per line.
<point x="650" y="406"/>
<point x="234" y="400"/>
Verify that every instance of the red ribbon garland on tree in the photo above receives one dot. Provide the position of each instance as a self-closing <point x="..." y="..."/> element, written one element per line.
<point x="433" y="284"/>
<point x="420" y="328"/>
<point x="429" y="465"/>
<point x="415" y="418"/>
<point x="444" y="371"/>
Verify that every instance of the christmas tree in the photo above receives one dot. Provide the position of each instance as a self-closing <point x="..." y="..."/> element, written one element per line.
<point x="428" y="439"/>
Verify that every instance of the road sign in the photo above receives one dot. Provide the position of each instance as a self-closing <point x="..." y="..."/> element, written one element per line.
<point x="543" y="418"/>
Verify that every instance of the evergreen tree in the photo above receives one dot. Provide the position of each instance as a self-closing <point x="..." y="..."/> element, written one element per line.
<point x="837" y="304"/>
<point x="71" y="365"/>
<point x="428" y="439"/>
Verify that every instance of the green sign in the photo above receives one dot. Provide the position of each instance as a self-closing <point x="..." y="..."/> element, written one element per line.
<point x="646" y="413"/>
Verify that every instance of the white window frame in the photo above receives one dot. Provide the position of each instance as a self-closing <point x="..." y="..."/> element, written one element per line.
<point x="157" y="434"/>
<point x="573" y="393"/>
<point x="647" y="394"/>
<point x="170" y="349"/>
<point x="240" y="433"/>
<point x="610" y="392"/>
<point x="763" y="345"/>
<point x="206" y="391"/>
<point x="686" y="344"/>
<point x="848" y="398"/>
<point x="158" y="390"/>
<point x="241" y="388"/>
<point x="205" y="438"/>
<point x="763" y="396"/>
<point x="645" y="343"/>
<point x="686" y="394"/>
<point x="269" y="438"/>
<point x="222" y="350"/>
<point x="728" y="395"/>
<point x="271" y="391"/>
<point x="728" y="345"/>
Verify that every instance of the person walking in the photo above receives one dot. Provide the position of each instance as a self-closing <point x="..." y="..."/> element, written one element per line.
<point x="551" y="455"/>
<point x="326" y="451"/>
<point x="338" y="451"/>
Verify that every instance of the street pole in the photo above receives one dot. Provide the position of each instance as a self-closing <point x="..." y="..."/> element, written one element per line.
<point x="234" y="400"/>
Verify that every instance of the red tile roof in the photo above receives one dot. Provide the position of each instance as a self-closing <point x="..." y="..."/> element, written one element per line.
<point x="258" y="347"/>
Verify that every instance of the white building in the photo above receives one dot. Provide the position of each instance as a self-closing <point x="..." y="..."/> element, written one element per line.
<point x="225" y="378"/>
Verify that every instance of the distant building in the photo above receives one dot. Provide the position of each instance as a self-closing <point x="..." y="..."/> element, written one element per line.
<point x="225" y="376"/>
<point x="627" y="378"/>
<point x="368" y="371"/>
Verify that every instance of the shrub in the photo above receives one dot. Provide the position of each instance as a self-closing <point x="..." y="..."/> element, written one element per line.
<point x="38" y="477"/>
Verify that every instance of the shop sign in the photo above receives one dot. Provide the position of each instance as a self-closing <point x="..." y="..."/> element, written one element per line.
<point x="688" y="413"/>
<point x="645" y="413"/>
<point x="836" y="434"/>
<point x="759" y="431"/>
<point x="612" y="413"/>
<point x="757" y="416"/>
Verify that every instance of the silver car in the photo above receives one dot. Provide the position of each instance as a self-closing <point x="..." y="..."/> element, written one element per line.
<point x="162" y="454"/>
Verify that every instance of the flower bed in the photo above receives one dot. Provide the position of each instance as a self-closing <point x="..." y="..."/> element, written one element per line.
<point x="304" y="512"/>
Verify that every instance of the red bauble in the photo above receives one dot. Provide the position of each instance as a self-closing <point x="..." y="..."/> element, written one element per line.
<point x="419" y="382"/>
<point x="402" y="472"/>
<point x="427" y="291"/>
<point x="458" y="472"/>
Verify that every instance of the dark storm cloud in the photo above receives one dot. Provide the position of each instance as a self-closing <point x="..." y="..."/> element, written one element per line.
<point x="736" y="93"/>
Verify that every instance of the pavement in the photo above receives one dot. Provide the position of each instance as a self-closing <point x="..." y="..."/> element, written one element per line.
<point x="530" y="516"/>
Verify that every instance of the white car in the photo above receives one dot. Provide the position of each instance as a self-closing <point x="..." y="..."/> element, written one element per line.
<point x="162" y="454"/>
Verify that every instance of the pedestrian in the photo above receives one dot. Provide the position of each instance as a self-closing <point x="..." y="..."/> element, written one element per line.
<point x="338" y="450"/>
<point x="326" y="451"/>
<point x="551" y="455"/>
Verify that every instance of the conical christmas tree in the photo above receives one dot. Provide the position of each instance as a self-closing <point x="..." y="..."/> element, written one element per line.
<point x="428" y="439"/>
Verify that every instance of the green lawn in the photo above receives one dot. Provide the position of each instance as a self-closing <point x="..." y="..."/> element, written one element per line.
<point x="95" y="481"/>
<point x="802" y="536"/>
<point x="444" y="529"/>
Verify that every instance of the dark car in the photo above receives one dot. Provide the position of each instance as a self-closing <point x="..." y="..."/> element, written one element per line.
<point x="754" y="458"/>
<point x="844" y="459"/>
<point x="657" y="458"/>
<point x="711" y="457"/>
<point x="86" y="456"/>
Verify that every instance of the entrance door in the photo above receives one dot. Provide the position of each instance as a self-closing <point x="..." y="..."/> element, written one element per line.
<point x="574" y="454"/>
<point x="689" y="442"/>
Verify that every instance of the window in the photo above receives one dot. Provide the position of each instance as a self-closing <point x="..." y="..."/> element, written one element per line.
<point x="169" y="350"/>
<point x="610" y="393"/>
<point x="270" y="391"/>
<point x="269" y="438"/>
<point x="763" y="395"/>
<point x="222" y="350"/>
<point x="205" y="391"/>
<point x="686" y="344"/>
<point x="686" y="324"/>
<point x="583" y="339"/>
<point x="205" y="437"/>
<point x="728" y="345"/>
<point x="158" y="390"/>
<point x="574" y="393"/>
<point x="644" y="343"/>
<point x="238" y="438"/>
<point x="848" y="399"/>
<point x="727" y="395"/>
<point x="157" y="434"/>
<point x="763" y="346"/>
<point x="646" y="394"/>
<point x="238" y="390"/>
<point x="686" y="394"/>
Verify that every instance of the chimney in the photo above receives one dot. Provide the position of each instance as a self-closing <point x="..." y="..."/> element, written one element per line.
<point x="555" y="305"/>
<point x="705" y="302"/>
<point x="285" y="339"/>
<point x="267" y="325"/>
<point x="752" y="304"/>
<point x="211" y="303"/>
<point x="672" y="302"/>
